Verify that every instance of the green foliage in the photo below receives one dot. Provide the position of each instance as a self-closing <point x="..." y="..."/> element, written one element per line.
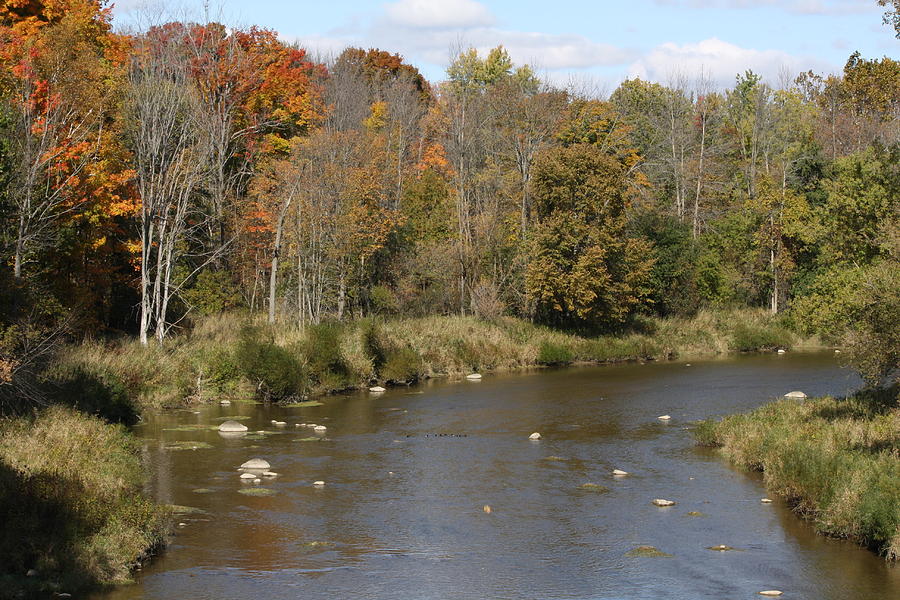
<point x="71" y="488"/>
<point x="213" y="292"/>
<point x="673" y="279"/>
<point x="554" y="354"/>
<point x="324" y="359"/>
<point x="404" y="365"/>
<point x="749" y="337"/>
<point x="274" y="371"/>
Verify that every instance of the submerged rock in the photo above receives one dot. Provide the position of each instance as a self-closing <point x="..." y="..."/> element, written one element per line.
<point x="619" y="472"/>
<point x="695" y="513"/>
<point x="279" y="423"/>
<point x="593" y="487"/>
<point x="377" y="389"/>
<point x="720" y="548"/>
<point x="796" y="396"/>
<point x="663" y="502"/>
<point x="771" y="593"/>
<point x="319" y="483"/>
<point x="257" y="492"/>
<point x="647" y="552"/>
<point x="232" y="427"/>
<point x="225" y="402"/>
<point x="473" y="376"/>
<point x="248" y="476"/>
<point x="664" y="418"/>
<point x="765" y="500"/>
<point x="534" y="436"/>
<point x="319" y="428"/>
<point x="256" y="463"/>
<point x="487" y="509"/>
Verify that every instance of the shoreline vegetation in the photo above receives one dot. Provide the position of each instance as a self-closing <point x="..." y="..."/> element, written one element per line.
<point x="233" y="356"/>
<point x="834" y="460"/>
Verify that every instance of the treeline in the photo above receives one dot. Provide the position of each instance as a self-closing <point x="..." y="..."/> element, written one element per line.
<point x="191" y="168"/>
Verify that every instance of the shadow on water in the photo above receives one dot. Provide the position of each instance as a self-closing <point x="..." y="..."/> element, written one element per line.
<point x="408" y="478"/>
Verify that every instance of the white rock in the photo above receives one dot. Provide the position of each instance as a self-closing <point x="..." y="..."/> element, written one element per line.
<point x="534" y="436"/>
<point x="664" y="418"/>
<point x="273" y="421"/>
<point x="377" y="389"/>
<point x="225" y="402"/>
<point x="795" y="395"/>
<point x="619" y="472"/>
<point x="248" y="476"/>
<point x="781" y="351"/>
<point x="473" y="376"/>
<point x="270" y="474"/>
<point x="256" y="463"/>
<point x="661" y="502"/>
<point x="765" y="501"/>
<point x="837" y="351"/>
<point x="232" y="427"/>
<point x="279" y="423"/>
<point x="257" y="481"/>
<point x="319" y="483"/>
<point x="319" y="428"/>
<point x="31" y="573"/>
<point x="771" y="593"/>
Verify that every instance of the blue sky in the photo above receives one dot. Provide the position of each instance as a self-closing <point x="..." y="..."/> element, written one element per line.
<point x="598" y="43"/>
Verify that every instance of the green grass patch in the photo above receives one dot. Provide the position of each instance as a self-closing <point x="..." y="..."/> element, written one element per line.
<point x="187" y="445"/>
<point x="835" y="460"/>
<point x="256" y="491"/>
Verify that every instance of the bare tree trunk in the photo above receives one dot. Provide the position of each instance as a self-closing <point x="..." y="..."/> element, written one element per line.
<point x="273" y="276"/>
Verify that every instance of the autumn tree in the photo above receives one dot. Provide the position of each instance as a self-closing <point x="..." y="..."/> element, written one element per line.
<point x="584" y="271"/>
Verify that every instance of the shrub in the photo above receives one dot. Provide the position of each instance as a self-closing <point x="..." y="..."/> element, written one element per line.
<point x="322" y="349"/>
<point x="275" y="372"/>
<point x="752" y="337"/>
<point x="93" y="390"/>
<point x="403" y="365"/>
<point x="554" y="354"/>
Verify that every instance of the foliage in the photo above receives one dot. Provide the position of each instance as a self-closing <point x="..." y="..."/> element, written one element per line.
<point x="273" y="370"/>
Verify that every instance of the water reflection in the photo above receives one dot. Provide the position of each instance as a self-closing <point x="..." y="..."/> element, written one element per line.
<point x="408" y="474"/>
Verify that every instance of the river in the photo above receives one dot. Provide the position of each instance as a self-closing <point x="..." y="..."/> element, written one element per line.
<point x="408" y="474"/>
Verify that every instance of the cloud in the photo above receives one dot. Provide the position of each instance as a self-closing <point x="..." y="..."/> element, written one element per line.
<point x="720" y="61"/>
<point x="442" y="14"/>
<point x="802" y="7"/>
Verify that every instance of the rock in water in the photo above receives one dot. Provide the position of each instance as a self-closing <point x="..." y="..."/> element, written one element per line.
<point x="795" y="395"/>
<point x="781" y="351"/>
<point x="662" y="502"/>
<point x="225" y="402"/>
<point x="771" y="593"/>
<point x="765" y="501"/>
<point x="319" y="428"/>
<point x="487" y="509"/>
<point x="256" y="463"/>
<point x="319" y="483"/>
<point x="534" y="436"/>
<point x="232" y="427"/>
<point x="619" y="472"/>
<point x="248" y="476"/>
<point x="279" y="423"/>
<point x="664" y="418"/>
<point x="377" y="389"/>
<point x="473" y="376"/>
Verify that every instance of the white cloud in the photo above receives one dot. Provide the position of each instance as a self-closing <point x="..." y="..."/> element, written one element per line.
<point x="804" y="7"/>
<point x="720" y="61"/>
<point x="438" y="14"/>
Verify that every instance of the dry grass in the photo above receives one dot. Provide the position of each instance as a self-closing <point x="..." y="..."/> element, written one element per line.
<point x="73" y="483"/>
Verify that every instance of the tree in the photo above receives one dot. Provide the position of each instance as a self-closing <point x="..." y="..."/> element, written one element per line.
<point x="584" y="271"/>
<point x="892" y="15"/>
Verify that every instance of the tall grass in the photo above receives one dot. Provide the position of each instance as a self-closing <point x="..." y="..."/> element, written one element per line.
<point x="837" y="460"/>
<point x="232" y="355"/>
<point x="70" y="493"/>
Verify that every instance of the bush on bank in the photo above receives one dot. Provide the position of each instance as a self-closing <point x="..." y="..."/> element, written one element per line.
<point x="70" y="493"/>
<point x="836" y="460"/>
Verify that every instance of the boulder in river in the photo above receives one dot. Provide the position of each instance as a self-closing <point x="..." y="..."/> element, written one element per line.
<point x="377" y="389"/>
<point x="225" y="402"/>
<point x="664" y="418"/>
<point x="795" y="396"/>
<point x="781" y="351"/>
<point x="619" y="472"/>
<point x="256" y="463"/>
<point x="534" y="436"/>
<point x="663" y="502"/>
<point x="279" y="423"/>
<point x="765" y="500"/>
<point x="232" y="427"/>
<point x="473" y="376"/>
<point x="319" y="428"/>
<point x="771" y="593"/>
<point x="319" y="483"/>
<point x="248" y="476"/>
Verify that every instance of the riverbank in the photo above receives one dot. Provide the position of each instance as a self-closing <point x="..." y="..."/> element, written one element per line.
<point x="232" y="357"/>
<point x="74" y="513"/>
<point x="835" y="460"/>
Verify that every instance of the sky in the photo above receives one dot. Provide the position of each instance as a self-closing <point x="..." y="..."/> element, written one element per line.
<point x="595" y="43"/>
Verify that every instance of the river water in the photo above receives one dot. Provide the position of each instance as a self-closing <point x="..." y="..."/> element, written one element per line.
<point x="407" y="475"/>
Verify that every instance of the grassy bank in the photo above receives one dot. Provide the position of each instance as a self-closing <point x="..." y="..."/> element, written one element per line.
<point x="836" y="460"/>
<point x="230" y="356"/>
<point x="74" y="516"/>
